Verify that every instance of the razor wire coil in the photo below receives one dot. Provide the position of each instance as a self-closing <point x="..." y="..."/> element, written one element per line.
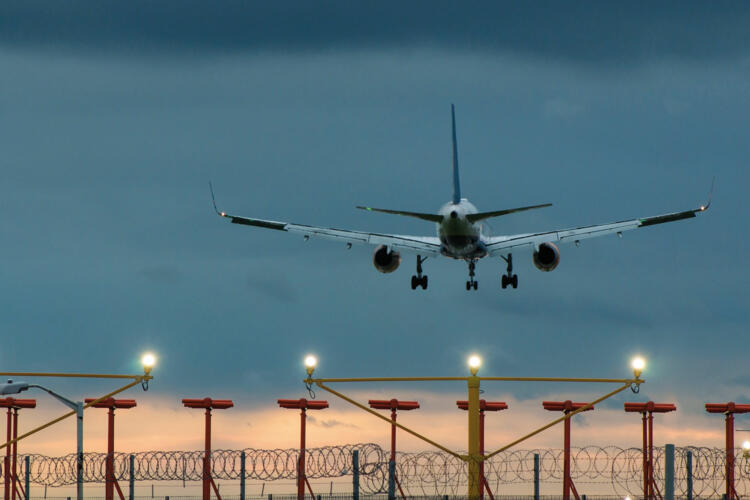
<point x="423" y="473"/>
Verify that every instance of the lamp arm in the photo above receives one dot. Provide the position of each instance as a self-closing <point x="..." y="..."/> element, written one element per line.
<point x="70" y="404"/>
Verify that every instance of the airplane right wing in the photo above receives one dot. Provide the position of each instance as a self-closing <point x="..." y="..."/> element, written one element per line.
<point x="501" y="245"/>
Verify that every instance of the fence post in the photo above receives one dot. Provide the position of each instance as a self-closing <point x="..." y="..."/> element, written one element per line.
<point x="669" y="472"/>
<point x="242" y="475"/>
<point x="391" y="480"/>
<point x="355" y="475"/>
<point x="690" y="475"/>
<point x="131" y="493"/>
<point x="536" y="476"/>
<point x="27" y="475"/>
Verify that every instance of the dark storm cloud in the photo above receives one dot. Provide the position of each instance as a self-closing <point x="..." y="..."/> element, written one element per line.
<point x="584" y="32"/>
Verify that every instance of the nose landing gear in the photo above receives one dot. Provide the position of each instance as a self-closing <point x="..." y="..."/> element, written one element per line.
<point x="472" y="283"/>
<point x="509" y="278"/>
<point x="418" y="279"/>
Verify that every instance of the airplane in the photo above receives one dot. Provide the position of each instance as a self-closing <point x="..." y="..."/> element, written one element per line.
<point x="460" y="234"/>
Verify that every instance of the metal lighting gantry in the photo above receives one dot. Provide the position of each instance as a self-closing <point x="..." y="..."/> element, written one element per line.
<point x="302" y="405"/>
<point x="10" y="468"/>
<point x="647" y="410"/>
<point x="208" y="404"/>
<point x="394" y="405"/>
<point x="729" y="409"/>
<point x="483" y="407"/>
<point x="473" y="458"/>
<point x="111" y="404"/>
<point x="148" y="361"/>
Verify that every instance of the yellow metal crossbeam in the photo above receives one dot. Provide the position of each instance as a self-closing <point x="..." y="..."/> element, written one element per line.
<point x="400" y="426"/>
<point x="473" y="458"/>
<point x="68" y="375"/>
<point x="557" y="421"/>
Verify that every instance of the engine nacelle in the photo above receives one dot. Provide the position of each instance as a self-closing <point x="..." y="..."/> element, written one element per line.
<point x="546" y="257"/>
<point x="384" y="260"/>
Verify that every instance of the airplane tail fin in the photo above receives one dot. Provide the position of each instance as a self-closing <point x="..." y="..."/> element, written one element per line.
<point x="456" y="181"/>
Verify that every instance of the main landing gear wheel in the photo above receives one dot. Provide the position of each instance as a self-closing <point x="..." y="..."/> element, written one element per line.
<point x="419" y="279"/>
<point x="509" y="278"/>
<point x="472" y="283"/>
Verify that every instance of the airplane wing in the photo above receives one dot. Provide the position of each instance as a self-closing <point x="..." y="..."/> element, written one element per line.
<point x="501" y="245"/>
<point x="423" y="245"/>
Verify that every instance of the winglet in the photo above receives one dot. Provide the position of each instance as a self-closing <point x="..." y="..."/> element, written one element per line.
<point x="213" y="200"/>
<point x="456" y="183"/>
<point x="703" y="208"/>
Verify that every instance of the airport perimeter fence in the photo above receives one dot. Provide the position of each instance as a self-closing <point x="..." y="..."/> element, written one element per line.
<point x="609" y="471"/>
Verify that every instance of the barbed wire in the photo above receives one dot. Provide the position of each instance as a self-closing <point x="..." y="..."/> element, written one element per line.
<point x="616" y="469"/>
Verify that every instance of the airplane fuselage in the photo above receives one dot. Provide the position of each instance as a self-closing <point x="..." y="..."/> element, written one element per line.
<point x="460" y="238"/>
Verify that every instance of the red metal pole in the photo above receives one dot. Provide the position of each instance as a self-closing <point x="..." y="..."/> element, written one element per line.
<point x="301" y="466"/>
<point x="207" y="459"/>
<point x="109" y="489"/>
<point x="730" y="455"/>
<point x="651" y="455"/>
<point x="7" y="457"/>
<point x="393" y="435"/>
<point x="14" y="474"/>
<point x="645" y="456"/>
<point x="566" y="460"/>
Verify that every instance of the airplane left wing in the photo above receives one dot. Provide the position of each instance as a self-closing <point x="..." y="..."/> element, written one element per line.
<point x="501" y="245"/>
<point x="423" y="245"/>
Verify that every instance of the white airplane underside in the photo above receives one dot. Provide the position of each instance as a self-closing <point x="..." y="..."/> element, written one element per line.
<point x="459" y="234"/>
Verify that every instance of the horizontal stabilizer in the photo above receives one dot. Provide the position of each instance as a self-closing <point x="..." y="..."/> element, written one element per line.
<point x="428" y="217"/>
<point x="498" y="213"/>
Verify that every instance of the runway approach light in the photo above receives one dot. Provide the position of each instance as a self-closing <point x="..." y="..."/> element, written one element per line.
<point x="474" y="363"/>
<point x="148" y="361"/>
<point x="310" y="363"/>
<point x="638" y="365"/>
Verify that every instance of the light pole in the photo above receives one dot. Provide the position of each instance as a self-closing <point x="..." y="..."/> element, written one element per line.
<point x="77" y="406"/>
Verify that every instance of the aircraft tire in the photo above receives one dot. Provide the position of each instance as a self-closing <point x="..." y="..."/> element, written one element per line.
<point x="413" y="282"/>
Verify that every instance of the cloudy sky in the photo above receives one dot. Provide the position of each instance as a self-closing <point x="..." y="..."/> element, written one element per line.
<point x="114" y="117"/>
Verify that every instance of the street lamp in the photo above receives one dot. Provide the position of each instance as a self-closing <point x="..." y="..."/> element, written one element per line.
<point x="638" y="364"/>
<point x="16" y="387"/>
<point x="310" y="363"/>
<point x="474" y="363"/>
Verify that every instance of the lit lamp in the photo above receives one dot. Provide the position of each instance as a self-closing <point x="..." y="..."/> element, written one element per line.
<point x="638" y="364"/>
<point x="474" y="363"/>
<point x="310" y="363"/>
<point x="148" y="361"/>
<point x="746" y="449"/>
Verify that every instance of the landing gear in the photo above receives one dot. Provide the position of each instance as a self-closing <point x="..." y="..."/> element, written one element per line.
<point x="418" y="279"/>
<point x="509" y="278"/>
<point x="472" y="283"/>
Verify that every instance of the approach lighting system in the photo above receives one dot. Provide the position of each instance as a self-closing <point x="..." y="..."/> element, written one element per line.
<point x="310" y="363"/>
<point x="148" y="361"/>
<point x="638" y="364"/>
<point x="474" y="363"/>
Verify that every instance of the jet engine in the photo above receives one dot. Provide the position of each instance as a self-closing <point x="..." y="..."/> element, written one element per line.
<point x="385" y="260"/>
<point x="546" y="257"/>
